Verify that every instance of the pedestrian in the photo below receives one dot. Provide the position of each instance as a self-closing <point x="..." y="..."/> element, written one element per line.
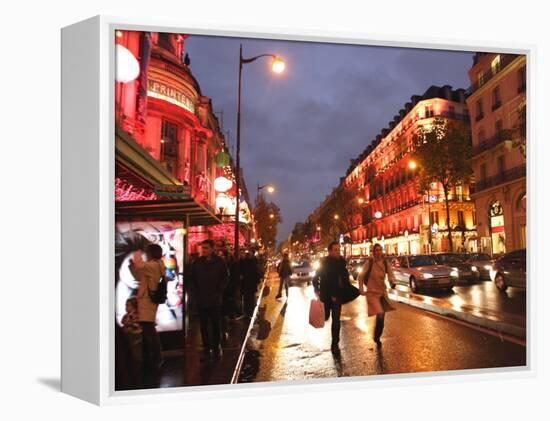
<point x="328" y="284"/>
<point x="234" y="288"/>
<point x="148" y="274"/>
<point x="284" y="270"/>
<point x="208" y="281"/>
<point x="134" y="336"/>
<point x="250" y="279"/>
<point x="372" y="283"/>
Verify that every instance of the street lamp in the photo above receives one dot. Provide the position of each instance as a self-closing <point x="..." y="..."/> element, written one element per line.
<point x="412" y="165"/>
<point x="269" y="187"/>
<point x="278" y="66"/>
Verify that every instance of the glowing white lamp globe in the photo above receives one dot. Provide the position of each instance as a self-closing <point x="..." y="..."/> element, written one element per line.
<point x="127" y="66"/>
<point x="222" y="184"/>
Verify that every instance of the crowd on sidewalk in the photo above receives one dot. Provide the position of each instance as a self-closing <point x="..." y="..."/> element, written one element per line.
<point x="221" y="288"/>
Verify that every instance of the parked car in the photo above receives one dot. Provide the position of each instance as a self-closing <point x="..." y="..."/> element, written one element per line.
<point x="457" y="261"/>
<point x="302" y="271"/>
<point x="421" y="271"/>
<point x="510" y="270"/>
<point x="482" y="261"/>
<point x="355" y="266"/>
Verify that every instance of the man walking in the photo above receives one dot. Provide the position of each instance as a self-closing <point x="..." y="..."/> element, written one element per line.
<point x="251" y="276"/>
<point x="284" y="270"/>
<point x="209" y="277"/>
<point x="328" y="284"/>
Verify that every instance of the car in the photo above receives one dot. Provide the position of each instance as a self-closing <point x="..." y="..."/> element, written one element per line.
<point x="355" y="266"/>
<point x="421" y="271"/>
<point x="482" y="261"/>
<point x="510" y="270"/>
<point x="302" y="271"/>
<point x="457" y="261"/>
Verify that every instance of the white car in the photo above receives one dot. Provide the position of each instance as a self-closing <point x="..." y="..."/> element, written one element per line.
<point x="422" y="272"/>
<point x="302" y="271"/>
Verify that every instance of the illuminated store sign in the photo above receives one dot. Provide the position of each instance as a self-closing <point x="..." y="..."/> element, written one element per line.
<point x="167" y="93"/>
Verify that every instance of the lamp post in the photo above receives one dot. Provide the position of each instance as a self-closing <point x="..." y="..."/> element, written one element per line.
<point x="270" y="188"/>
<point x="278" y="66"/>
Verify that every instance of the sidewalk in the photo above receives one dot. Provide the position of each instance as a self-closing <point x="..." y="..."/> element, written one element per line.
<point x="187" y="368"/>
<point x="504" y="323"/>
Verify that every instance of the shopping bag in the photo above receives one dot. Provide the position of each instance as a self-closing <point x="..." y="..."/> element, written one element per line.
<point x="316" y="314"/>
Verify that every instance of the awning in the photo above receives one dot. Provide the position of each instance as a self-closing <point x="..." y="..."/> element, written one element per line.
<point x="167" y="210"/>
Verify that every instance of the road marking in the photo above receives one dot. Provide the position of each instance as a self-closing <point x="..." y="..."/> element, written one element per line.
<point x="501" y="336"/>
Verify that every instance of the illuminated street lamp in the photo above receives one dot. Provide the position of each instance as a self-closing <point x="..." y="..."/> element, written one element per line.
<point x="271" y="216"/>
<point x="336" y="216"/>
<point x="378" y="214"/>
<point x="412" y="165"/>
<point x="360" y="200"/>
<point x="268" y="187"/>
<point x="277" y="66"/>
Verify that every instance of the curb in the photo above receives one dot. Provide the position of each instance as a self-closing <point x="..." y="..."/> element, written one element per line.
<point x="238" y="366"/>
<point x="498" y="326"/>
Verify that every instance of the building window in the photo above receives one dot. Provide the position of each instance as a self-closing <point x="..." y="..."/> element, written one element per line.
<point x="169" y="146"/>
<point x="474" y="218"/>
<point x="480" y="79"/>
<point x="501" y="164"/>
<point x="165" y="41"/>
<point x="498" y="128"/>
<point x="522" y="80"/>
<point x="483" y="172"/>
<point x="434" y="218"/>
<point x="496" y="98"/>
<point x="481" y="135"/>
<point x="479" y="110"/>
<point x="428" y="111"/>
<point x="461" y="218"/>
<point x="495" y="65"/>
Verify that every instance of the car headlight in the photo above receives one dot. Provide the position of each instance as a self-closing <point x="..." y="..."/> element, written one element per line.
<point x="312" y="273"/>
<point x="427" y="275"/>
<point x="359" y="270"/>
<point x="454" y="273"/>
<point x="487" y="267"/>
<point x="474" y="268"/>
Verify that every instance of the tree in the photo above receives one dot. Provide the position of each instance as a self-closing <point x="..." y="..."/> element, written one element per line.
<point x="267" y="216"/>
<point x="443" y="153"/>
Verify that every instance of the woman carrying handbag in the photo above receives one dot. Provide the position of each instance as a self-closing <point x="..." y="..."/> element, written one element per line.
<point x="372" y="283"/>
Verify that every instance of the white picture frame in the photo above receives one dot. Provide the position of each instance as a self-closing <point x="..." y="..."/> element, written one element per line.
<point x="88" y="213"/>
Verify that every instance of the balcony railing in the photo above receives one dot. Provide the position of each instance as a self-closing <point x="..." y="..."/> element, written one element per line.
<point x="487" y="144"/>
<point x="505" y="60"/>
<point x="508" y="175"/>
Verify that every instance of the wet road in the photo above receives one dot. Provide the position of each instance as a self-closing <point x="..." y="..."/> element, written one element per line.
<point x="285" y="347"/>
<point x="483" y="295"/>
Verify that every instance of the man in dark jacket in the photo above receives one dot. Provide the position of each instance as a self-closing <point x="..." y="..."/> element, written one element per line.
<point x="209" y="278"/>
<point x="284" y="270"/>
<point x="328" y="282"/>
<point x="250" y="276"/>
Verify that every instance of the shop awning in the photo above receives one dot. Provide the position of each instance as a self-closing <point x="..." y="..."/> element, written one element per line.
<point x="167" y="210"/>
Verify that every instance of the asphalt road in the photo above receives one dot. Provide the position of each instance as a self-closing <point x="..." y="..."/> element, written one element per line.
<point x="285" y="347"/>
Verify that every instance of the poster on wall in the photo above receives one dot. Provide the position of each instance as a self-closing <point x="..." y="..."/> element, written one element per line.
<point x="131" y="239"/>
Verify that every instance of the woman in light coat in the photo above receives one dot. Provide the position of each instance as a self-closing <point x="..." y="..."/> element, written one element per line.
<point x="372" y="283"/>
<point x="148" y="275"/>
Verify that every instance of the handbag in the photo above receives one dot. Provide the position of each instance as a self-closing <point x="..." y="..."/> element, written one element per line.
<point x="316" y="314"/>
<point x="348" y="292"/>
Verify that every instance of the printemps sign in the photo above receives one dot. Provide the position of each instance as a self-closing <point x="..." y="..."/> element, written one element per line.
<point x="167" y="93"/>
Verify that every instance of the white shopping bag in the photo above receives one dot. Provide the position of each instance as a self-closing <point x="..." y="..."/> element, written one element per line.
<point x="317" y="314"/>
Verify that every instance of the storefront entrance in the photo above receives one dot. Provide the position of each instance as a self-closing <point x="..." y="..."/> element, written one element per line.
<point x="496" y="225"/>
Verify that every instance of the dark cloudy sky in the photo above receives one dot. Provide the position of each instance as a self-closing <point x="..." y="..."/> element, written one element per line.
<point x="300" y="129"/>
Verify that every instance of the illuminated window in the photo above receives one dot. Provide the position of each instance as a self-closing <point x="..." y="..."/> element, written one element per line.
<point x="428" y="111"/>
<point x="460" y="218"/>
<point x="495" y="65"/>
<point x="480" y="79"/>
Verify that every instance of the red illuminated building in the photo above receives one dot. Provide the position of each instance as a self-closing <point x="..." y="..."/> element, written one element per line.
<point x="382" y="200"/>
<point x="169" y="146"/>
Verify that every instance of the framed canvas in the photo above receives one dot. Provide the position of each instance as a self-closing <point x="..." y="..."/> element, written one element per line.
<point x="240" y="210"/>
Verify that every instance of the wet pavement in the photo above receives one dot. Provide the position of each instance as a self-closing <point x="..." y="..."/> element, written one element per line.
<point x="283" y="346"/>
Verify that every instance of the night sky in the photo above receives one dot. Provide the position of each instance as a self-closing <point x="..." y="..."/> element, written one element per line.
<point x="299" y="129"/>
